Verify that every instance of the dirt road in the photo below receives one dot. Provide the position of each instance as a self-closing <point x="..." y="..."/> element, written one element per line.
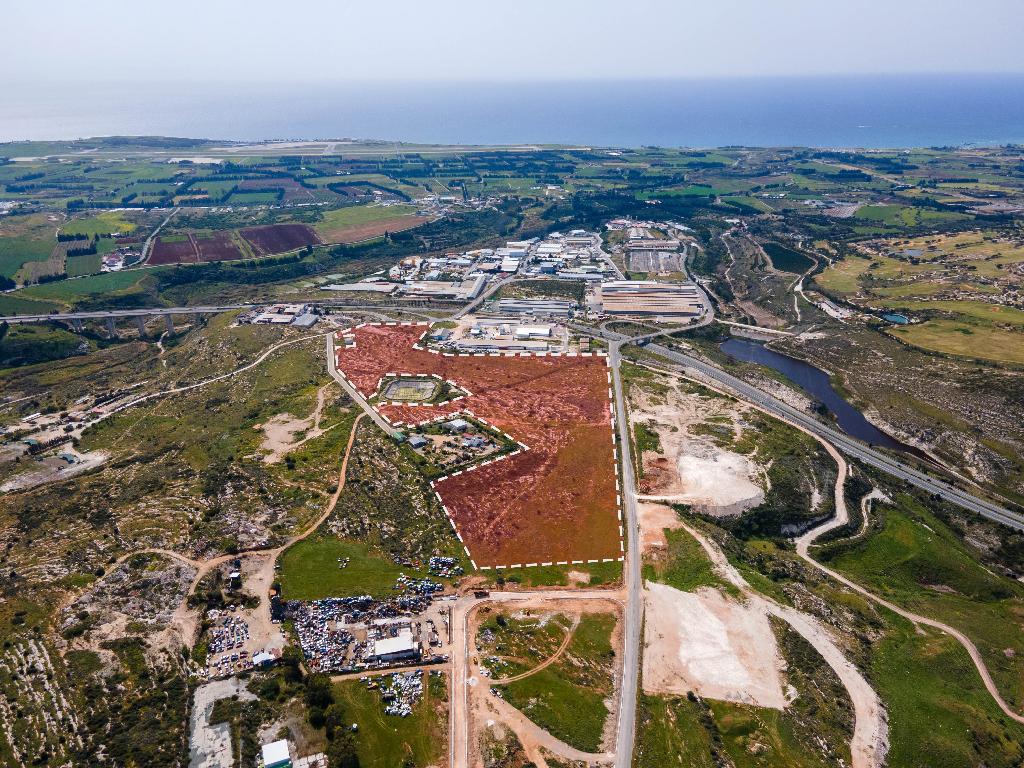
<point x="463" y="678"/>
<point x="869" y="744"/>
<point x="841" y="518"/>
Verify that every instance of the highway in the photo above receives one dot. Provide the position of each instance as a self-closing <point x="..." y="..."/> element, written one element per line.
<point x="625" y="730"/>
<point x="116" y="313"/>
<point x="848" y="445"/>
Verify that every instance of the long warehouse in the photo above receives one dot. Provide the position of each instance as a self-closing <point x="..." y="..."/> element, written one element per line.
<point x="651" y="299"/>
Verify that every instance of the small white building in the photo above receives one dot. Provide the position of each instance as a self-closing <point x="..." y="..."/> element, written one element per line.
<point x="533" y="332"/>
<point x="276" y="754"/>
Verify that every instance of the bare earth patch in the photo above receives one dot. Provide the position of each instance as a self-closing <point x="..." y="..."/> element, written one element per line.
<point x="654" y="518"/>
<point x="712" y="645"/>
<point x="691" y="468"/>
<point x="279" y="432"/>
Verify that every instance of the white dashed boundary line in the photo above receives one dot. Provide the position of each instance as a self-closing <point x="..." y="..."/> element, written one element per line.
<point x="348" y="334"/>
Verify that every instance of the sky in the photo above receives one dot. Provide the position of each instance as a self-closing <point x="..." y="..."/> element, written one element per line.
<point x="189" y="41"/>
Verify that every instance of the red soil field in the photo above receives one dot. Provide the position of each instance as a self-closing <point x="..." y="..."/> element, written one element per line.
<point x="217" y="247"/>
<point x="555" y="502"/>
<point x="177" y="252"/>
<point x="279" y="238"/>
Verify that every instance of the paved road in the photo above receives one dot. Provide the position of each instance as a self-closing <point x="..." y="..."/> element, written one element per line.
<point x="369" y="410"/>
<point x="633" y="619"/>
<point x="845" y="443"/>
<point x="196" y="310"/>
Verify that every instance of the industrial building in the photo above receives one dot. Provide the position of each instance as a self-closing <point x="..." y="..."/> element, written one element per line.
<point x="467" y="289"/>
<point x="651" y="299"/>
<point x="557" y="307"/>
<point x="399" y="648"/>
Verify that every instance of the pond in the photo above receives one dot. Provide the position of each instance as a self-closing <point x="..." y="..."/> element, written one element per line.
<point x="898" y="319"/>
<point x="815" y="383"/>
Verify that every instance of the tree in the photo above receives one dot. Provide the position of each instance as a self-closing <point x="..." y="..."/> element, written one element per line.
<point x="341" y="752"/>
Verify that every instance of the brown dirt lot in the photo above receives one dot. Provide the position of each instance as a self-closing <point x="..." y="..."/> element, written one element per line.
<point x="177" y="252"/>
<point x="552" y="503"/>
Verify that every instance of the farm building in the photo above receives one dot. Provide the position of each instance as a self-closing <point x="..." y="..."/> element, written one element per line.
<point x="417" y="441"/>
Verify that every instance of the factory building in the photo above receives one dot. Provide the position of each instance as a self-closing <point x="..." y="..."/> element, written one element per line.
<point x="651" y="299"/>
<point x="555" y="307"/>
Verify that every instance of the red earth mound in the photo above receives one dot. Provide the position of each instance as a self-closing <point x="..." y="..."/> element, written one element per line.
<point x="553" y="503"/>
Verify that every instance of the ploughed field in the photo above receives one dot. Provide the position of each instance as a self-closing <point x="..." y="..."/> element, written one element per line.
<point x="279" y="238"/>
<point x="222" y="246"/>
<point x="555" y="502"/>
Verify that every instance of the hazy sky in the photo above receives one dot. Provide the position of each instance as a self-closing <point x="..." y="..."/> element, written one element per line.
<point x="338" y="40"/>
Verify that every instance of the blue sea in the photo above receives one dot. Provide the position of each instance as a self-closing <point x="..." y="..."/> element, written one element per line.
<point x="891" y="111"/>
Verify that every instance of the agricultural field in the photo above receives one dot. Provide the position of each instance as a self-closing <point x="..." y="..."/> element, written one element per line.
<point x="362" y="222"/>
<point x="959" y="285"/>
<point x="507" y="511"/>
<point x="25" y="239"/>
<point x="279" y="238"/>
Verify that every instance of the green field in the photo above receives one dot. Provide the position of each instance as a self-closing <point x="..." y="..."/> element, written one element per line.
<point x="521" y="641"/>
<point x="69" y="291"/>
<point x="309" y="570"/>
<point x="18" y="305"/>
<point x="79" y="266"/>
<point x="940" y="715"/>
<point x="334" y="223"/>
<point x="919" y="563"/>
<point x="106" y="223"/>
<point x="567" y="697"/>
<point x="683" y="565"/>
<point x="388" y="741"/>
<point x="964" y="339"/>
<point x="15" y="251"/>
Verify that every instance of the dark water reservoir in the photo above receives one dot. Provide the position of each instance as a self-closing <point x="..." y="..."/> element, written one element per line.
<point x="816" y="384"/>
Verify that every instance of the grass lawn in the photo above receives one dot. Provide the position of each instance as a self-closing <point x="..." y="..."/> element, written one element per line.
<point x="917" y="562"/>
<point x="387" y="741"/>
<point x="309" y="570"/>
<point x="567" y="697"/>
